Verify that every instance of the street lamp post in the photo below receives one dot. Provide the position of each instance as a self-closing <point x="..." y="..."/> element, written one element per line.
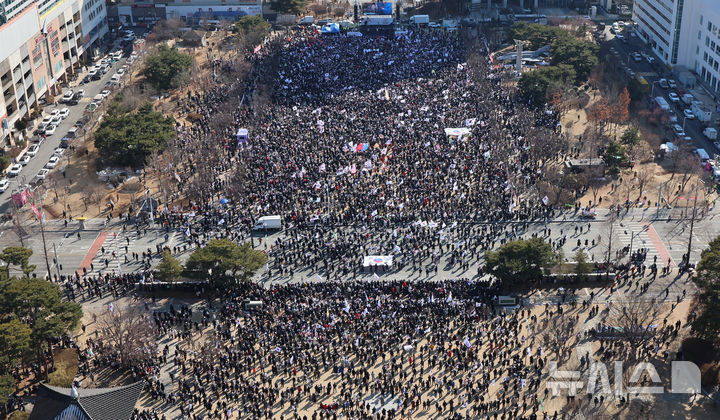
<point x="692" y="225"/>
<point x="652" y="90"/>
<point x="632" y="238"/>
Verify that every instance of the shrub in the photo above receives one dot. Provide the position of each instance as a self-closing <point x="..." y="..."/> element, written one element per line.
<point x="66" y="367"/>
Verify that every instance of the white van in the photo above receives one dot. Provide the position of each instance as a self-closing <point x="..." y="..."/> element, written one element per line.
<point x="702" y="154"/>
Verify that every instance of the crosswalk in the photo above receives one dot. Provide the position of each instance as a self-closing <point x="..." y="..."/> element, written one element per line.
<point x="115" y="243"/>
<point x="637" y="235"/>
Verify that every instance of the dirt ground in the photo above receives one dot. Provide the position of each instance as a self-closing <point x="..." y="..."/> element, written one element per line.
<point x="657" y="174"/>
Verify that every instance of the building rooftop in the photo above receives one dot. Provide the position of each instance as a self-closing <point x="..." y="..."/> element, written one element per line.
<point x="88" y="404"/>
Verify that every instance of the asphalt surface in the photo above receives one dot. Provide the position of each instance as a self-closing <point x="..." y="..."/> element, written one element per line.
<point x="47" y="147"/>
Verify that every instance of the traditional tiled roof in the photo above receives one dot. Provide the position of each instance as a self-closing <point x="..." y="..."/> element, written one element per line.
<point x="55" y="403"/>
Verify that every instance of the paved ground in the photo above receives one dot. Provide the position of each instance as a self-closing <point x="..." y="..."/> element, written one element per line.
<point x="643" y="228"/>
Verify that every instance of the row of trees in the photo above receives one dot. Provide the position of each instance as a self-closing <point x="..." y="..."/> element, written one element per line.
<point x="572" y="60"/>
<point x="525" y="260"/>
<point x="222" y="261"/>
<point x="32" y="316"/>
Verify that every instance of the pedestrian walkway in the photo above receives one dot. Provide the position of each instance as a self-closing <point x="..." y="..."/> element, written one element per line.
<point x="642" y="235"/>
<point x="92" y="252"/>
<point x="115" y="243"/>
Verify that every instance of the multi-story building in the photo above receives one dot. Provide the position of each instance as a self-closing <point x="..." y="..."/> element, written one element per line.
<point x="137" y="12"/>
<point x="700" y="45"/>
<point x="659" y="24"/>
<point x="42" y="43"/>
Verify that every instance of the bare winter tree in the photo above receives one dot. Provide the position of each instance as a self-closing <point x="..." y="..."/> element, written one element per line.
<point x="96" y="195"/>
<point x="642" y="178"/>
<point x="128" y="333"/>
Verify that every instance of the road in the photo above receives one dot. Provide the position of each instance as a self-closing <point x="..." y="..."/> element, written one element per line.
<point x="52" y="142"/>
<point x="653" y="73"/>
<point x="663" y="233"/>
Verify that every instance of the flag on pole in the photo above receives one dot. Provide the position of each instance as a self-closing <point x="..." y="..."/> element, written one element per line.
<point x="35" y="210"/>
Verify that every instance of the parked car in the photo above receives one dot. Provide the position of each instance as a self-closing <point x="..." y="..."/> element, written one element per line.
<point x="79" y="94"/>
<point x="64" y="113"/>
<point x="54" y="160"/>
<point x="672" y="84"/>
<point x="15" y="170"/>
<point x="678" y="130"/>
<point x="46" y="120"/>
<point x="688" y="114"/>
<point x="4" y="184"/>
<point x="32" y="151"/>
<point x="674" y="97"/>
<point x="67" y="96"/>
<point x="50" y="130"/>
<point x="72" y="132"/>
<point x="105" y="93"/>
<point x="663" y="83"/>
<point x="59" y="151"/>
<point x="42" y="174"/>
<point x="24" y="160"/>
<point x="120" y="71"/>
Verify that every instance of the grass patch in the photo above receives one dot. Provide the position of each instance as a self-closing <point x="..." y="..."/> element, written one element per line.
<point x="19" y="415"/>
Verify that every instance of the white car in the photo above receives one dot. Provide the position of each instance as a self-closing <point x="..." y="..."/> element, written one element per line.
<point x="673" y="97"/>
<point x="52" y="162"/>
<point x="678" y="130"/>
<point x="50" y="130"/>
<point x="32" y="151"/>
<point x="64" y="113"/>
<point x="24" y="160"/>
<point x="59" y="151"/>
<point x="67" y="96"/>
<point x="120" y="71"/>
<point x="4" y="184"/>
<point x="15" y="170"/>
<point x="105" y="93"/>
<point x="46" y="119"/>
<point x="688" y="114"/>
<point x="43" y="173"/>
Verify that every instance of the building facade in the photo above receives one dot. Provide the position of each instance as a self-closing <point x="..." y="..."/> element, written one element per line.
<point x="143" y="12"/>
<point x="43" y="43"/>
<point x="700" y="48"/>
<point x="659" y="23"/>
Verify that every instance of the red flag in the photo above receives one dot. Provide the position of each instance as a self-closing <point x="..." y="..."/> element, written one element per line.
<point x="35" y="210"/>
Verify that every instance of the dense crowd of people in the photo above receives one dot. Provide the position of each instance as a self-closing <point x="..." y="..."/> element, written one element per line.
<point x="408" y="146"/>
<point x="398" y="146"/>
<point x="378" y="349"/>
